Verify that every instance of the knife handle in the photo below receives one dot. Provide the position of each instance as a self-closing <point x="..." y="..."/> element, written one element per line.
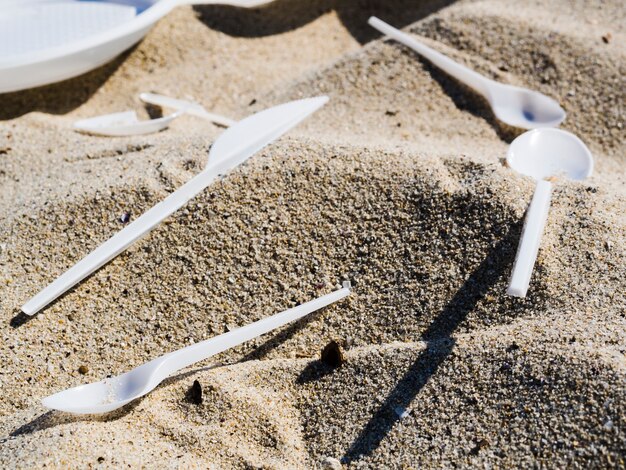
<point x="118" y="243"/>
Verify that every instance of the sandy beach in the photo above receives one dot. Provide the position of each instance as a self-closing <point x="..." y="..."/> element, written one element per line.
<point x="398" y="185"/>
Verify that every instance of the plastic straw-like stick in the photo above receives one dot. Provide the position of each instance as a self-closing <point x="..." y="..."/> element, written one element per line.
<point x="190" y="108"/>
<point x="191" y="354"/>
<point x="531" y="238"/>
<point x="458" y="71"/>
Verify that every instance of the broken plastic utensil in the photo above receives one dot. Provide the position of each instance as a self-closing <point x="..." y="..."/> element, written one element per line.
<point x="126" y="123"/>
<point x="115" y="392"/>
<point x="512" y="105"/>
<point x="233" y="147"/>
<point x="195" y="109"/>
<point x="542" y="154"/>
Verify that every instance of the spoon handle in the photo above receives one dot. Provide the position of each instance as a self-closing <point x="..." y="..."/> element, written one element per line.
<point x="118" y="243"/>
<point x="194" y="109"/>
<point x="531" y="237"/>
<point x="458" y="71"/>
<point x="185" y="357"/>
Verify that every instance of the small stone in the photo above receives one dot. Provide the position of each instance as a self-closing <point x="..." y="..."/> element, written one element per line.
<point x="125" y="217"/>
<point x="194" y="394"/>
<point x="513" y="347"/>
<point x="100" y="459"/>
<point x="608" y="245"/>
<point x="481" y="444"/>
<point x="83" y="370"/>
<point x="331" y="463"/>
<point x="333" y="355"/>
<point x="607" y="38"/>
<point x="608" y="424"/>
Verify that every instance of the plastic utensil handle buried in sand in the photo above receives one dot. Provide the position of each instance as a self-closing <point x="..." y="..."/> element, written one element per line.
<point x="115" y="392"/>
<point x="534" y="224"/>
<point x="233" y="147"/>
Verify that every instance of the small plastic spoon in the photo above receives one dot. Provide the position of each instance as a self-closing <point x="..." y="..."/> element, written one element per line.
<point x="195" y="109"/>
<point x="512" y="105"/>
<point x="233" y="147"/>
<point x="124" y="124"/>
<point x="541" y="154"/>
<point x="115" y="392"/>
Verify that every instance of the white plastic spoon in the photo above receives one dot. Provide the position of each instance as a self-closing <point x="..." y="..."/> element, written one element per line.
<point x="541" y="154"/>
<point x="513" y="105"/>
<point x="195" y="109"/>
<point x="43" y="42"/>
<point x="111" y="394"/>
<point x="124" y="124"/>
<point x="233" y="147"/>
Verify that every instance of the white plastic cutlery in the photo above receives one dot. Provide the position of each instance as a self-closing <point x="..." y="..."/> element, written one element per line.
<point x="115" y="392"/>
<point x="126" y="123"/>
<point x="233" y="147"/>
<point x="46" y="41"/>
<point x="195" y="109"/>
<point x="542" y="154"/>
<point x="512" y="105"/>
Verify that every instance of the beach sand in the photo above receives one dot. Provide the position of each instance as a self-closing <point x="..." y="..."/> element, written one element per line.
<point x="398" y="185"/>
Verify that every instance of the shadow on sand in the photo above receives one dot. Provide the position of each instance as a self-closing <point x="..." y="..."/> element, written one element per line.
<point x="285" y="15"/>
<point x="440" y="344"/>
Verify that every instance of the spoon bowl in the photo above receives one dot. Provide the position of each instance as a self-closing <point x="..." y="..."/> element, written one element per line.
<point x="523" y="108"/>
<point x="125" y="123"/>
<point x="97" y="397"/>
<point x="111" y="393"/>
<point x="546" y="153"/>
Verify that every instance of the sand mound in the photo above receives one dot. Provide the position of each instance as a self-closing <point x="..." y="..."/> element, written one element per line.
<point x="397" y="185"/>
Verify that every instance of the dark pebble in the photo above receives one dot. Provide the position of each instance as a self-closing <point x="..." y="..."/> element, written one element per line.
<point x="481" y="444"/>
<point x="194" y="394"/>
<point x="83" y="370"/>
<point x="512" y="347"/>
